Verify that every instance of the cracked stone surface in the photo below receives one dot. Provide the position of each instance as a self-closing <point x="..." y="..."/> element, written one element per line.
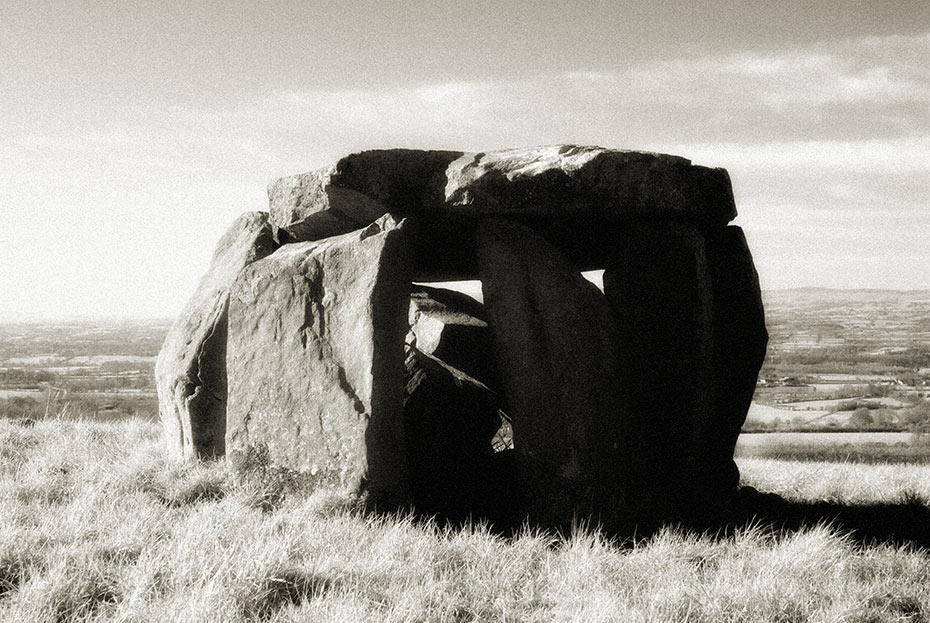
<point x="190" y="374"/>
<point x="315" y="358"/>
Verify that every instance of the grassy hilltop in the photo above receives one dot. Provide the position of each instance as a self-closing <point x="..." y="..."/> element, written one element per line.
<point x="98" y="526"/>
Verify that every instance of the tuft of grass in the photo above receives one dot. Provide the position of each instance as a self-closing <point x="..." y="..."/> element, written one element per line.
<point x="263" y="597"/>
<point x="266" y="486"/>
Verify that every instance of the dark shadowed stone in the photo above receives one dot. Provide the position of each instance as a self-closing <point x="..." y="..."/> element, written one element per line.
<point x="555" y="344"/>
<point x="190" y="374"/>
<point x="316" y="362"/>
<point x="659" y="288"/>
<point x="449" y="422"/>
<point x="453" y="327"/>
<point x="740" y="339"/>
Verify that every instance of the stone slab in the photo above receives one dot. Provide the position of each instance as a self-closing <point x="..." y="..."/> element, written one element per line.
<point x="315" y="358"/>
<point x="559" y="187"/>
<point x="453" y="327"/>
<point x="555" y="343"/>
<point x="740" y="340"/>
<point x="658" y="286"/>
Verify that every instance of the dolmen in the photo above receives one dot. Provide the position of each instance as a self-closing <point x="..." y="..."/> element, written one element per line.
<point x="316" y="338"/>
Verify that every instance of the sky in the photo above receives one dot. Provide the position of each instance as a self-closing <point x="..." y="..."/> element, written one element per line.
<point x="133" y="133"/>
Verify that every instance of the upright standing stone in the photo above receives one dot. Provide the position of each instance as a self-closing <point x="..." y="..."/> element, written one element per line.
<point x="316" y="358"/>
<point x="555" y="344"/>
<point x="659" y="288"/>
<point x="740" y="339"/>
<point x="449" y="422"/>
<point x="190" y="374"/>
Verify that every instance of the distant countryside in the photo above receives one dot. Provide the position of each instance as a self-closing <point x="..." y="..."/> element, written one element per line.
<point x="847" y="376"/>
<point x="79" y="370"/>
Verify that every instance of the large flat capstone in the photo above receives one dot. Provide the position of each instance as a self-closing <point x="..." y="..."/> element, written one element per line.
<point x="567" y="187"/>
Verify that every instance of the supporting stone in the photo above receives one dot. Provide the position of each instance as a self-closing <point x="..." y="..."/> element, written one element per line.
<point x="740" y="339"/>
<point x="316" y="359"/>
<point x="190" y="374"/>
<point x="555" y="344"/>
<point x="449" y="422"/>
<point x="658" y="286"/>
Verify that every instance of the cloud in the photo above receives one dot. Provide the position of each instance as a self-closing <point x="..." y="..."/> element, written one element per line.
<point x="836" y="128"/>
<point x="865" y="89"/>
<point x="874" y="156"/>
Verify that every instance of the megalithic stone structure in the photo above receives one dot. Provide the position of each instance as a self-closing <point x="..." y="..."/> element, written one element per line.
<point x="625" y="403"/>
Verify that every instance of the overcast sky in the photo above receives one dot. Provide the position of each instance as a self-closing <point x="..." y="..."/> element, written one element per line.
<point x="133" y="133"/>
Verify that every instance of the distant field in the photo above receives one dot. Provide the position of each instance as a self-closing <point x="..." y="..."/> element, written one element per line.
<point x="838" y="438"/>
<point x="21" y="393"/>
<point x="842" y="447"/>
<point x="885" y="401"/>
<point x="762" y="413"/>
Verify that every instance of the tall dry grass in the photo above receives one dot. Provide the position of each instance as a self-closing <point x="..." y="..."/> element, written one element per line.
<point x="95" y="525"/>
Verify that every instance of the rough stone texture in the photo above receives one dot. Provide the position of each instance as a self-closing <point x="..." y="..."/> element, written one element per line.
<point x="659" y="288"/>
<point x="449" y="422"/>
<point x="356" y="191"/>
<point x="740" y="339"/>
<point x="572" y="191"/>
<point x="190" y="374"/>
<point x="453" y="327"/>
<point x="315" y="358"/>
<point x="590" y="182"/>
<point x="555" y="343"/>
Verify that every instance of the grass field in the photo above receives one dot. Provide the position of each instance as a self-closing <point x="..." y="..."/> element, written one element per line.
<point x="835" y="447"/>
<point x="95" y="525"/>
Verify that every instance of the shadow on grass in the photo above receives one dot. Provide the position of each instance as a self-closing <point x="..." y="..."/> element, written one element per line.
<point x="902" y="523"/>
<point x="491" y="498"/>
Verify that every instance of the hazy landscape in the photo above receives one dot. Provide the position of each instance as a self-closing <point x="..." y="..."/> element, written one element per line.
<point x="838" y="361"/>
